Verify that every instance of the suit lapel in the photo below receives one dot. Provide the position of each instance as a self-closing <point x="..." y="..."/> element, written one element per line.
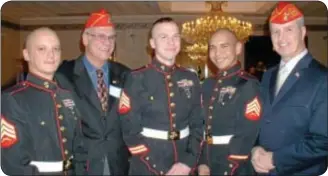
<point x="273" y="80"/>
<point x="295" y="74"/>
<point x="84" y="84"/>
<point x="114" y="82"/>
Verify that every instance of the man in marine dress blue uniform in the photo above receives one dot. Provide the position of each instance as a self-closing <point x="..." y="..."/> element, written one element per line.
<point x="40" y="122"/>
<point x="293" y="137"/>
<point x="160" y="111"/>
<point x="232" y="110"/>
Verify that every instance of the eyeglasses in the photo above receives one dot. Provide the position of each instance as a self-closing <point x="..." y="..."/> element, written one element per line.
<point x="103" y="37"/>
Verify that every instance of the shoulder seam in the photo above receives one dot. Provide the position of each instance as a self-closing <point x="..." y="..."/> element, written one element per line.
<point x="38" y="87"/>
<point x="140" y="69"/>
<point x="13" y="92"/>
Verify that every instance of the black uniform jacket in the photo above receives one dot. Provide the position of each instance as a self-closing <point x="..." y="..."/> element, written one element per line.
<point x="40" y="123"/>
<point x="167" y="100"/>
<point x="233" y="109"/>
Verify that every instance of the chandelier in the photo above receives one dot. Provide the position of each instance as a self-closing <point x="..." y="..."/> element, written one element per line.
<point x="198" y="32"/>
<point x="196" y="51"/>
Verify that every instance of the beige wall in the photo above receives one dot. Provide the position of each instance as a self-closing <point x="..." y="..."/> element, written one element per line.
<point x="10" y="52"/>
<point x="131" y="47"/>
<point x="318" y="46"/>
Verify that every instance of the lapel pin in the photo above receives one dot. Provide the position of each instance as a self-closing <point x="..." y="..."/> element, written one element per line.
<point x="297" y="74"/>
<point x="114" y="82"/>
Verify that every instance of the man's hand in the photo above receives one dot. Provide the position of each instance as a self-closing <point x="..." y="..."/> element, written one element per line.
<point x="179" y="169"/>
<point x="262" y="160"/>
<point x="203" y="170"/>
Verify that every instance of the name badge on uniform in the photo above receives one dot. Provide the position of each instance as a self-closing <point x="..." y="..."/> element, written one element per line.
<point x="115" y="91"/>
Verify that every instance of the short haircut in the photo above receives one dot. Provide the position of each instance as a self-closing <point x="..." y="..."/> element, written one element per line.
<point x="159" y="21"/>
<point x="300" y="22"/>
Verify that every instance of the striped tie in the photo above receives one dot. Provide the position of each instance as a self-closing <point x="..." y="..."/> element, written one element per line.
<point x="102" y="90"/>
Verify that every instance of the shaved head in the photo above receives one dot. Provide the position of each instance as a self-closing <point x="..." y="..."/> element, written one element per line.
<point x="42" y="52"/>
<point x="227" y="32"/>
<point x="37" y="32"/>
<point x="224" y="47"/>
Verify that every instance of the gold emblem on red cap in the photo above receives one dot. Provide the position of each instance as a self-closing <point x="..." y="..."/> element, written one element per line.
<point x="285" y="12"/>
<point x="100" y="18"/>
<point x="286" y="15"/>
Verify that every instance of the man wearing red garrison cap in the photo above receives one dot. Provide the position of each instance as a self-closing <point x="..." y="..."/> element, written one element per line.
<point x="97" y="81"/>
<point x="293" y="137"/>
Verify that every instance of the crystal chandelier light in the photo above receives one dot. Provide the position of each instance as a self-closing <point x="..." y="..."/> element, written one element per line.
<point x="196" y="51"/>
<point x="198" y="32"/>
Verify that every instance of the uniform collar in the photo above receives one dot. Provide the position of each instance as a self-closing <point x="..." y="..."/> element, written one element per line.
<point x="162" y="67"/>
<point x="45" y="83"/>
<point x="232" y="70"/>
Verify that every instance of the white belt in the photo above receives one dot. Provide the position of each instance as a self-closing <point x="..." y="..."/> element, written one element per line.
<point x="224" y="139"/>
<point x="45" y="166"/>
<point x="165" y="135"/>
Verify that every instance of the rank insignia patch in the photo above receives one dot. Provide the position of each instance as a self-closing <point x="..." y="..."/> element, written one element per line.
<point x="124" y="104"/>
<point x="8" y="133"/>
<point x="253" y="109"/>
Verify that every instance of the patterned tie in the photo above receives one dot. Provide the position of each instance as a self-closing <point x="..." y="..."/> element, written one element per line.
<point x="102" y="90"/>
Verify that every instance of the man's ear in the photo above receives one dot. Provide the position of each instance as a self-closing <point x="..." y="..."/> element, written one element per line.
<point x="152" y="43"/>
<point x="303" y="29"/>
<point x="239" y="47"/>
<point x="26" y="55"/>
<point x="85" y="39"/>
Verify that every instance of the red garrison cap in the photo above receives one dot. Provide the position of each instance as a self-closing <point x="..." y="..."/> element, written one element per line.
<point x="99" y="18"/>
<point x="284" y="13"/>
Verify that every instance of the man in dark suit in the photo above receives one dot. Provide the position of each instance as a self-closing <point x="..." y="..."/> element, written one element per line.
<point x="293" y="137"/>
<point x="97" y="83"/>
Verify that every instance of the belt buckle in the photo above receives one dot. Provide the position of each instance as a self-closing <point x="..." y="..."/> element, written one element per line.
<point x="209" y="139"/>
<point x="67" y="164"/>
<point x="174" y="135"/>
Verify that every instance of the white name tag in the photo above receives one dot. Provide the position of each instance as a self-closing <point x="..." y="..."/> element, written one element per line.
<point x="115" y="91"/>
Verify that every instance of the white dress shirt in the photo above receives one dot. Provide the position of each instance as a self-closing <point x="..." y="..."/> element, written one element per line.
<point x="286" y="68"/>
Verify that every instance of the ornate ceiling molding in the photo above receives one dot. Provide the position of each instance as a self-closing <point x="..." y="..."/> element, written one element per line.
<point x="141" y="22"/>
<point x="258" y="19"/>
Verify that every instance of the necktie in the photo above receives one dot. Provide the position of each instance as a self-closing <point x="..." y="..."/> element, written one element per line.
<point x="282" y="75"/>
<point x="102" y="90"/>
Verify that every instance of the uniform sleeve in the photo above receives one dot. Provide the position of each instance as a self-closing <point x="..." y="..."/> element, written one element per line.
<point x="248" y="117"/>
<point x="314" y="146"/>
<point x="16" y="148"/>
<point x="129" y="108"/>
<point x="196" y="125"/>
